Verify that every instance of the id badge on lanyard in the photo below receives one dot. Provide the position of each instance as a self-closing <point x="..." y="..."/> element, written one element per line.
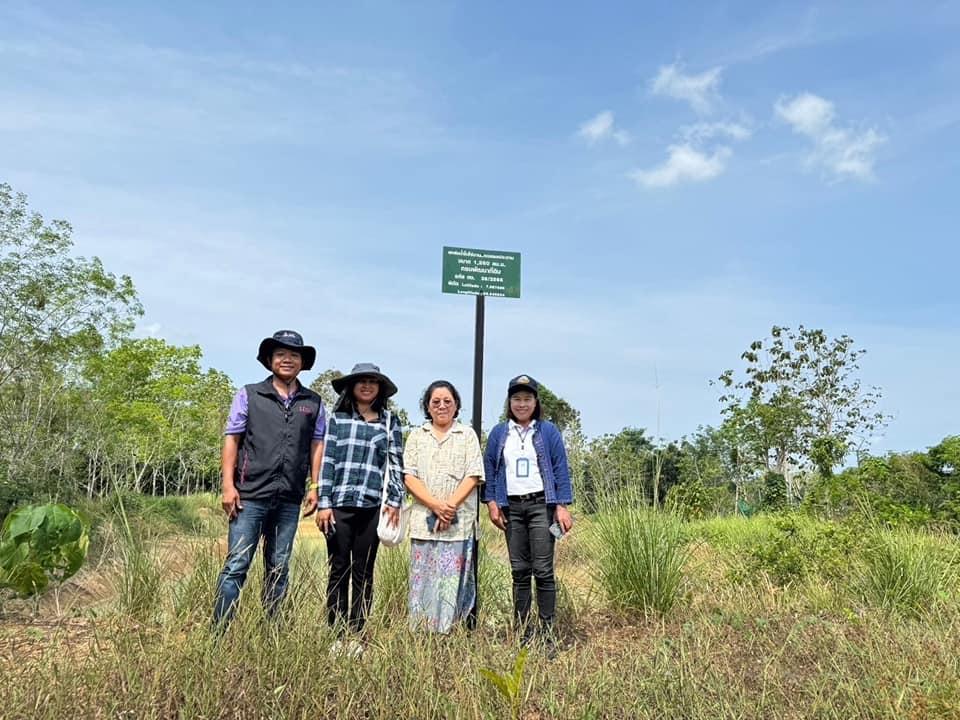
<point x="523" y="467"/>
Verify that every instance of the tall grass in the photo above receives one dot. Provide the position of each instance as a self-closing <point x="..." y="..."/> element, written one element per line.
<point x="744" y="650"/>
<point x="908" y="572"/>
<point x="639" y="555"/>
<point x="390" y="583"/>
<point x="139" y="575"/>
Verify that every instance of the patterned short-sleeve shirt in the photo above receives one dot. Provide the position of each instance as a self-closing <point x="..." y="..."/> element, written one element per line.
<point x="442" y="465"/>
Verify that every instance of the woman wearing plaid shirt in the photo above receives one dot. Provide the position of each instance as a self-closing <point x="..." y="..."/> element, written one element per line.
<point x="351" y="484"/>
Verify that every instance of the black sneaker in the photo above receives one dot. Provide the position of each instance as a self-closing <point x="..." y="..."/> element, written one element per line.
<point x="549" y="641"/>
<point x="528" y="635"/>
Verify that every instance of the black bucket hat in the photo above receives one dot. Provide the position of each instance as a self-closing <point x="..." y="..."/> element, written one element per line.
<point x="523" y="382"/>
<point x="288" y="339"/>
<point x="365" y="370"/>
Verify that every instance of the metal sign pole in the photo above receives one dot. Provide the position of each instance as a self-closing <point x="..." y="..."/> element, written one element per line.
<point x="478" y="368"/>
<point x="477" y="422"/>
<point x="481" y="273"/>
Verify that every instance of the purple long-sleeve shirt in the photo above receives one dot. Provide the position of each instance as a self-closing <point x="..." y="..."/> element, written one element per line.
<point x="237" y="419"/>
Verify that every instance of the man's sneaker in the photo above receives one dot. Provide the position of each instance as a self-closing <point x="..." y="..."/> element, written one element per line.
<point x="337" y="648"/>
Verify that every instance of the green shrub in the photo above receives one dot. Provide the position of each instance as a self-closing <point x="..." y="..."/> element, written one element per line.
<point x="774" y="493"/>
<point x="800" y="546"/>
<point x="40" y="544"/>
<point x="688" y="499"/>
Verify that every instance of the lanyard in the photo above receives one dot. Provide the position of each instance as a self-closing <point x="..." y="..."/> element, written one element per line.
<point x="523" y="435"/>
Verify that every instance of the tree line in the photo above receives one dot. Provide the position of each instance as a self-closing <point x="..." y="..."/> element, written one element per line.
<point x="87" y="409"/>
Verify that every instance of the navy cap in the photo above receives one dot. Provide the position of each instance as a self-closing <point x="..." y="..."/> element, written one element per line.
<point x="522" y="382"/>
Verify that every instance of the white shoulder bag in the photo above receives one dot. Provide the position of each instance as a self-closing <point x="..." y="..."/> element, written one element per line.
<point x="390" y="535"/>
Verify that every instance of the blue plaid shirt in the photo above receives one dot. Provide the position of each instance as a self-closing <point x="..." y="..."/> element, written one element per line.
<point x="354" y="458"/>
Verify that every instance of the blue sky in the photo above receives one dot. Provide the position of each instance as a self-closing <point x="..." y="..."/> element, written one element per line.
<point x="677" y="179"/>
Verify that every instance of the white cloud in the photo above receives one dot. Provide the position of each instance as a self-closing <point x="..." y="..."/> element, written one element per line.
<point x="701" y="132"/>
<point x="701" y="91"/>
<point x="600" y="128"/>
<point x="843" y="152"/>
<point x="808" y="114"/>
<point x="685" y="164"/>
<point x="698" y="154"/>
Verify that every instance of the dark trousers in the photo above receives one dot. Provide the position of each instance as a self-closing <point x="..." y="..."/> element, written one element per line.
<point x="530" y="545"/>
<point x="352" y="552"/>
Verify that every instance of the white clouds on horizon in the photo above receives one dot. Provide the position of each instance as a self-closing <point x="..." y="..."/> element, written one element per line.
<point x="601" y="127"/>
<point x="841" y="151"/>
<point x="701" y="91"/>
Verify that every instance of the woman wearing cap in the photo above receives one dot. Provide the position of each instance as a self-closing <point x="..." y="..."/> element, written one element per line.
<point x="442" y="468"/>
<point x="528" y="490"/>
<point x="351" y="484"/>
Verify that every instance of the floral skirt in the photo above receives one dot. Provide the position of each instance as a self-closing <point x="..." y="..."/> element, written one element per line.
<point x="442" y="586"/>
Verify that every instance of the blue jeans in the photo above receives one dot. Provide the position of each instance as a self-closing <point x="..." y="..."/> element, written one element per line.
<point x="276" y="522"/>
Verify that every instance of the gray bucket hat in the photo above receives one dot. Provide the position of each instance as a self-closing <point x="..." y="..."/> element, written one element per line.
<point x="365" y="370"/>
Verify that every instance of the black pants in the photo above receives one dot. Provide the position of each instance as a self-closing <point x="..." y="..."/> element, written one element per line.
<point x="530" y="545"/>
<point x="352" y="552"/>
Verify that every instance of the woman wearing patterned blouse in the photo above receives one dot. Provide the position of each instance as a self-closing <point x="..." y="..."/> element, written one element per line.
<point x="351" y="483"/>
<point x="443" y="468"/>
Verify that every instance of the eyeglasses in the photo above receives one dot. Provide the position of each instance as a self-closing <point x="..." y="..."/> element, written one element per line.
<point x="445" y="402"/>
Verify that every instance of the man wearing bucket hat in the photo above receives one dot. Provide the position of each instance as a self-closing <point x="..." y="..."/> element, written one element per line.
<point x="273" y="442"/>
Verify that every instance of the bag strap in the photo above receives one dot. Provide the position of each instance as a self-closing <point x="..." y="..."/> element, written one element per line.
<point x="386" y="469"/>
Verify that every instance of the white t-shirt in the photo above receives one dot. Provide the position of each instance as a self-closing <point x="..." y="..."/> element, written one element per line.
<point x="523" y="472"/>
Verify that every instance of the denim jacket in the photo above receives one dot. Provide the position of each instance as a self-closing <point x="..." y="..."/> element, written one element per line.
<point x="551" y="459"/>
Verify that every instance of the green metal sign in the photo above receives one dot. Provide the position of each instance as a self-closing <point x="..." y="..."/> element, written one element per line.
<point x="492" y="273"/>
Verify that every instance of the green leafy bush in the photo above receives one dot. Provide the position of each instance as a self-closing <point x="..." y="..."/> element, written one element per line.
<point x="774" y="491"/>
<point x="689" y="500"/>
<point x="800" y="546"/>
<point x="40" y="544"/>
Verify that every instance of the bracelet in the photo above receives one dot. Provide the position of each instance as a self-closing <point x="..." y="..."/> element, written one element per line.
<point x="313" y="486"/>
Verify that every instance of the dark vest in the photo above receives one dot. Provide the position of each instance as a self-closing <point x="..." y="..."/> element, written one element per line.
<point x="274" y="457"/>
